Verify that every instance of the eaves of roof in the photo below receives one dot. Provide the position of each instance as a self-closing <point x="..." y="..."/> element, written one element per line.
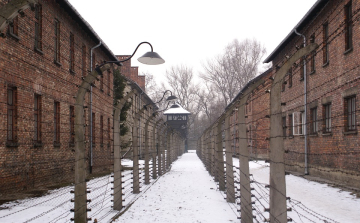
<point x="303" y="22"/>
<point x="75" y="15"/>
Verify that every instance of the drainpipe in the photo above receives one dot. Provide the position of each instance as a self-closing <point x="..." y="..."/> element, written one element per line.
<point x="305" y="107"/>
<point x="90" y="110"/>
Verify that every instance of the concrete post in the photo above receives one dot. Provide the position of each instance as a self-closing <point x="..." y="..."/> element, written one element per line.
<point x="10" y="11"/>
<point x="220" y="172"/>
<point x="213" y="152"/>
<point x="164" y="146"/>
<point x="80" y="159"/>
<point x="208" y="147"/>
<point x="135" y="145"/>
<point x="278" y="211"/>
<point x="117" y="153"/>
<point x="230" y="190"/>
<point x="159" y="145"/>
<point x="156" y="149"/>
<point x="168" y="146"/>
<point x="245" y="191"/>
<point x="147" y="150"/>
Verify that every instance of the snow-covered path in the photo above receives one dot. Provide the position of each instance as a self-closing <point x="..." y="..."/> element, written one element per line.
<point x="185" y="194"/>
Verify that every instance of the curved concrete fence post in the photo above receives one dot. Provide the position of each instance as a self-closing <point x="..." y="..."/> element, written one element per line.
<point x="155" y="149"/>
<point x="117" y="152"/>
<point x="147" y="150"/>
<point x="135" y="145"/>
<point x="230" y="190"/>
<point x="220" y="171"/>
<point x="159" y="147"/>
<point x="278" y="212"/>
<point x="80" y="159"/>
<point x="245" y="190"/>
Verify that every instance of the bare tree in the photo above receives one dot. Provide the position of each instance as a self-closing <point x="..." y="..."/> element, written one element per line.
<point x="180" y="79"/>
<point x="210" y="103"/>
<point x="230" y="71"/>
<point x="150" y="84"/>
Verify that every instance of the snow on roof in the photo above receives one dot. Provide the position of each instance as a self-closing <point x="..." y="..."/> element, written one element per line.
<point x="178" y="110"/>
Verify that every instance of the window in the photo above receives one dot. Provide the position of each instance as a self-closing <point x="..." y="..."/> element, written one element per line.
<point x="290" y="77"/>
<point x="56" y="122"/>
<point x="312" y="55"/>
<point x="14" y="27"/>
<point x="72" y="124"/>
<point x="101" y="130"/>
<point x="38" y="27"/>
<point x="109" y="131"/>
<point x="350" y="113"/>
<point x="83" y="62"/>
<point x="284" y="125"/>
<point x="72" y="53"/>
<point x="327" y="118"/>
<point x="303" y="123"/>
<point x="298" y="123"/>
<point x="108" y="82"/>
<point x="314" y="121"/>
<point x="37" y="118"/>
<point x="291" y="125"/>
<point x="57" y="41"/>
<point x="348" y="26"/>
<point x="325" y="43"/>
<point x="93" y="128"/>
<point x="11" y="114"/>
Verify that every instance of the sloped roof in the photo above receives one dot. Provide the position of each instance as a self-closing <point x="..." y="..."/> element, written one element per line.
<point x="178" y="110"/>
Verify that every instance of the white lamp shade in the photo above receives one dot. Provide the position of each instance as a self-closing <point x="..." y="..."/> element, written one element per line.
<point x="151" y="58"/>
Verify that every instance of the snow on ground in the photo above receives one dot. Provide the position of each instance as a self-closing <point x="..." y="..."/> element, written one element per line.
<point x="311" y="201"/>
<point x="185" y="194"/>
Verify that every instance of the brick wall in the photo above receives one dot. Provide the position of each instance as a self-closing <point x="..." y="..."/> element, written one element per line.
<point x="334" y="154"/>
<point x="131" y="72"/>
<point x="26" y="165"/>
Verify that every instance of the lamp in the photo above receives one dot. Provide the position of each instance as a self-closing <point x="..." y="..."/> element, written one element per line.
<point x="149" y="58"/>
<point x="169" y="99"/>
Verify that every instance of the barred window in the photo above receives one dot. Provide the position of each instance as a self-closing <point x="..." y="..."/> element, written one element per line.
<point x="350" y="113"/>
<point x="56" y="122"/>
<point x="38" y="27"/>
<point x="325" y="43"/>
<point x="72" y="53"/>
<point x="11" y="114"/>
<point x="314" y="121"/>
<point x="72" y="124"/>
<point x="83" y="64"/>
<point x="348" y="26"/>
<point x="37" y="118"/>
<point x="14" y="27"/>
<point x="57" y="40"/>
<point x="327" y="118"/>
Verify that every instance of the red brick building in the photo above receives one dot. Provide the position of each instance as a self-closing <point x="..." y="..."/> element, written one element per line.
<point x="43" y="58"/>
<point x="131" y="72"/>
<point x="331" y="79"/>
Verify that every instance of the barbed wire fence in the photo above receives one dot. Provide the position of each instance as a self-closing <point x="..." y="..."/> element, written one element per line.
<point x="329" y="155"/>
<point x="38" y="171"/>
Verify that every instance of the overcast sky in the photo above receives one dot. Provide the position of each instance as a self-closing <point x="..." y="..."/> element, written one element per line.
<point x="188" y="32"/>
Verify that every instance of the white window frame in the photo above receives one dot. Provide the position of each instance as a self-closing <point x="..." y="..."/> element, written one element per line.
<point x="298" y="123"/>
